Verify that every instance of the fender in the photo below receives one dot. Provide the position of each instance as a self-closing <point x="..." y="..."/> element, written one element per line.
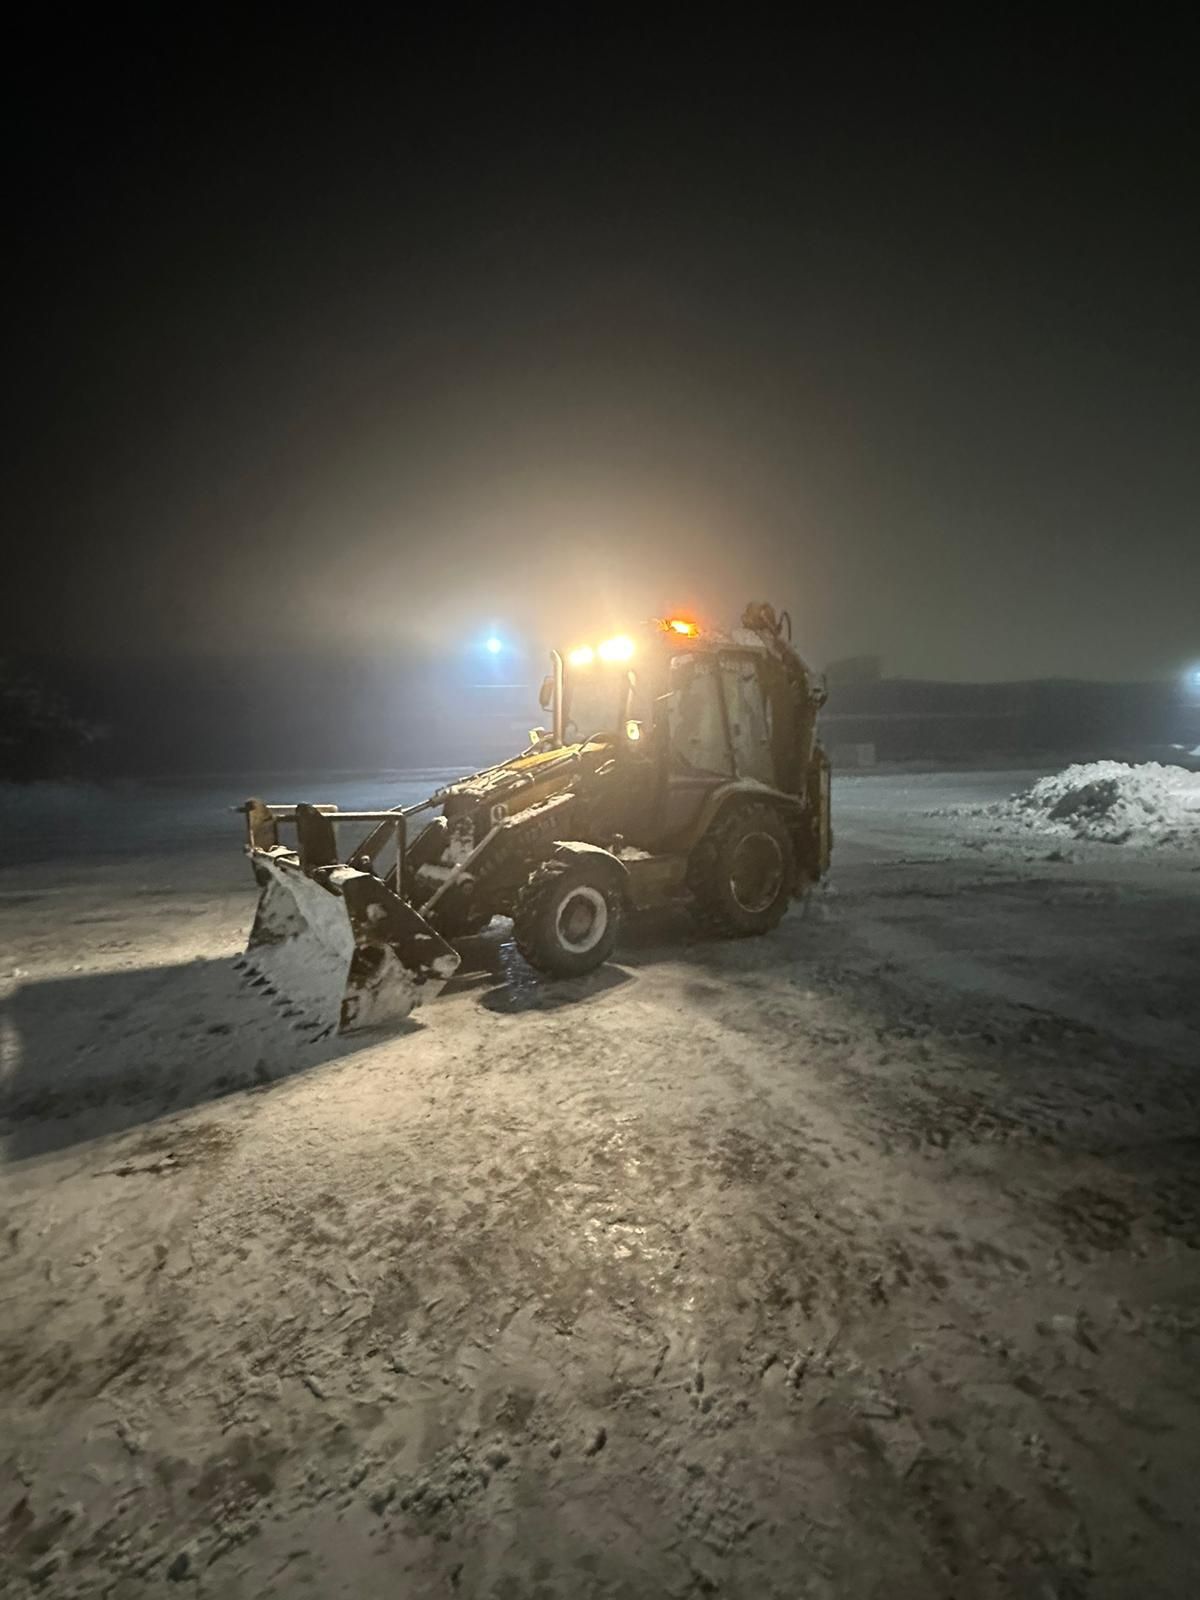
<point x="740" y="789"/>
<point x="577" y="851"/>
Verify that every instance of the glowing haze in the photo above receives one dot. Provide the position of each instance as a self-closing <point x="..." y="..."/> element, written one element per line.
<point x="363" y="352"/>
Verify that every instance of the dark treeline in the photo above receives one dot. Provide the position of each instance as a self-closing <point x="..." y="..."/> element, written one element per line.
<point x="179" y="716"/>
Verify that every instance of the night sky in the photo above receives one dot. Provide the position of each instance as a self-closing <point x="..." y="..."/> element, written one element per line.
<point x="346" y="340"/>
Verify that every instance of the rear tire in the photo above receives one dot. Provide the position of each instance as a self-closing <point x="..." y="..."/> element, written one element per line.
<point x="742" y="872"/>
<point x="567" y="917"/>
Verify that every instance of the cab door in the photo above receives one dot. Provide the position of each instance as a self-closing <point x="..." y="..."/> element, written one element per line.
<point x="718" y="727"/>
<point x="699" y="738"/>
<point x="747" y="716"/>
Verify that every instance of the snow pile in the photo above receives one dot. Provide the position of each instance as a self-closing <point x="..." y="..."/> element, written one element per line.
<point x="1112" y="801"/>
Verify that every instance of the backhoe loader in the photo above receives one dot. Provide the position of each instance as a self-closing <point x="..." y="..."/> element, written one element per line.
<point x="679" y="763"/>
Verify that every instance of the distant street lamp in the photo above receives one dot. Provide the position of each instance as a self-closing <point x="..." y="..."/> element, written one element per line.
<point x="493" y="646"/>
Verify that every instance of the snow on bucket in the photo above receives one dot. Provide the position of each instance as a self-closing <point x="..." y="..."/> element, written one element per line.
<point x="336" y="948"/>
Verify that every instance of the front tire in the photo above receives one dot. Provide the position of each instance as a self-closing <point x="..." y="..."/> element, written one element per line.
<point x="566" y="918"/>
<point x="742" y="872"/>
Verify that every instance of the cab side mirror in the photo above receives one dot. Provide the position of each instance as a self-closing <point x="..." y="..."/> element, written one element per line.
<point x="546" y="693"/>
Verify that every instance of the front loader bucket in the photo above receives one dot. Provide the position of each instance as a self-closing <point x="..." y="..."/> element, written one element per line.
<point x="335" y="947"/>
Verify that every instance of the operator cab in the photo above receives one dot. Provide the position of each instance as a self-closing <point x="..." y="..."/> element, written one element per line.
<point x="686" y="713"/>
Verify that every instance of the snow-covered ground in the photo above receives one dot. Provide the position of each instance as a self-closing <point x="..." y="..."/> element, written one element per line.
<point x="860" y="1259"/>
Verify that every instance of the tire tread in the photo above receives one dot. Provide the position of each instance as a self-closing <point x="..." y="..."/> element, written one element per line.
<point x="711" y="910"/>
<point x="530" y="919"/>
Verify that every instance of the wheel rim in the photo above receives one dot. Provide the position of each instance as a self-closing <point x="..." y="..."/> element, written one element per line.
<point x="756" y="871"/>
<point x="581" y="920"/>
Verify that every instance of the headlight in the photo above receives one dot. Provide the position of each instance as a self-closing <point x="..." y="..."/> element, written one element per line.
<point x="581" y="657"/>
<point x="618" y="649"/>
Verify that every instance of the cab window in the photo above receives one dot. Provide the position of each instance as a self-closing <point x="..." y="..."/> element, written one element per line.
<point x="749" y="716"/>
<point x="695" y="719"/>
